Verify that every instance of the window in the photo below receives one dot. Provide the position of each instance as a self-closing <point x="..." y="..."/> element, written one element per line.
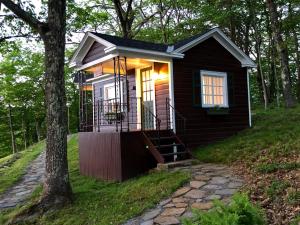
<point x="213" y="89"/>
<point x="111" y="101"/>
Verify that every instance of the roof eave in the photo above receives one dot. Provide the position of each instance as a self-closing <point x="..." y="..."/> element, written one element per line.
<point x="216" y="33"/>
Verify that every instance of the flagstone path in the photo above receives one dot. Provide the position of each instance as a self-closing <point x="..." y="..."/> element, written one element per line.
<point x="18" y="193"/>
<point x="208" y="182"/>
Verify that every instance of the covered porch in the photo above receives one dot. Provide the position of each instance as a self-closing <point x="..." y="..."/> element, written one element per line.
<point x="126" y="94"/>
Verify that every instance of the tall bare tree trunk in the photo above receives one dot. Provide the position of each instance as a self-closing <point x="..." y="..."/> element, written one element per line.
<point x="24" y="132"/>
<point x="12" y="132"/>
<point x="296" y="40"/>
<point x="283" y="55"/>
<point x="260" y="72"/>
<point x="37" y="130"/>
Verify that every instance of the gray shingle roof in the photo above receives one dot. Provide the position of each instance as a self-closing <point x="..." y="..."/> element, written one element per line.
<point x="119" y="41"/>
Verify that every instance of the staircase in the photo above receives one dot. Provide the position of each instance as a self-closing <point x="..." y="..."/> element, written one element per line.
<point x="164" y="144"/>
<point x="166" y="147"/>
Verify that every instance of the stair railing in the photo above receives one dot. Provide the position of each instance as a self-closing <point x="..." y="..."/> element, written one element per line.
<point x="175" y="119"/>
<point x="147" y="116"/>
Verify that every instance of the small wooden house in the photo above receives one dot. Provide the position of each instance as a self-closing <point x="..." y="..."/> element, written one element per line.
<point x="143" y="103"/>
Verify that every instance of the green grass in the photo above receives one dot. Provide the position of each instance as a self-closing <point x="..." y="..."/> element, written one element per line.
<point x="275" y="133"/>
<point x="104" y="203"/>
<point x="273" y="167"/>
<point x="276" y="188"/>
<point x="13" y="171"/>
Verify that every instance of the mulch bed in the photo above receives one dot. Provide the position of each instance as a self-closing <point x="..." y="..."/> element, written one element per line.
<point x="277" y="192"/>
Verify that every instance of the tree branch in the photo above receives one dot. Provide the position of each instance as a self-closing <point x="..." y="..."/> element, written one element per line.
<point x="14" y="36"/>
<point x="25" y="16"/>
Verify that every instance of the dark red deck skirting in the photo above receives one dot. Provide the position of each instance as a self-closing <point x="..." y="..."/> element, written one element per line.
<point x="113" y="156"/>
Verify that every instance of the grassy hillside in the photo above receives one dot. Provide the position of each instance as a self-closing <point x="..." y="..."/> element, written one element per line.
<point x="268" y="156"/>
<point x="12" y="167"/>
<point x="103" y="203"/>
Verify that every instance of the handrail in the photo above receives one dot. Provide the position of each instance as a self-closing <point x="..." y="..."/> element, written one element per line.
<point x="155" y="119"/>
<point x="169" y="111"/>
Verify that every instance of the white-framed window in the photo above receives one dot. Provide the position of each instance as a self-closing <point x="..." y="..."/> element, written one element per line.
<point x="214" y="91"/>
<point x="112" y="97"/>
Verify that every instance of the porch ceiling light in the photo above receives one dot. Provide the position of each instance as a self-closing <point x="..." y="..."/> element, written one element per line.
<point x="159" y="76"/>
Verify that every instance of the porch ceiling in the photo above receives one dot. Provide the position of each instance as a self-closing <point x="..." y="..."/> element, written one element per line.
<point x="108" y="66"/>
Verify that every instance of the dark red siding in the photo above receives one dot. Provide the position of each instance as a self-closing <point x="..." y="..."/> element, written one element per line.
<point x="113" y="156"/>
<point x="201" y="127"/>
<point x="162" y="92"/>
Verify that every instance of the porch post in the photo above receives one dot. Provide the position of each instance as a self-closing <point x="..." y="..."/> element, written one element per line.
<point x="115" y="77"/>
<point x="120" y="97"/>
<point x="127" y="94"/>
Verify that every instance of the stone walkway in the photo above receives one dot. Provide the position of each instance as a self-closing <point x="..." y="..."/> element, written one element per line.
<point x="208" y="182"/>
<point x="18" y="193"/>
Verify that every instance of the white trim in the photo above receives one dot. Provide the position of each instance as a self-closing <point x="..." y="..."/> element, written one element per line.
<point x="225" y="88"/>
<point x="138" y="96"/>
<point x="154" y="92"/>
<point x="101" y="77"/>
<point x="102" y="80"/>
<point x="249" y="99"/>
<point x="102" y="59"/>
<point x="93" y="101"/>
<point x="216" y="33"/>
<point x="171" y="94"/>
<point x="148" y="52"/>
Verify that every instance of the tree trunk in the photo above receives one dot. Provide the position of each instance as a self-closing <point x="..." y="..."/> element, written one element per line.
<point x="37" y="130"/>
<point x="57" y="189"/>
<point x="126" y="18"/>
<point x="297" y="62"/>
<point x="260" y="72"/>
<point x="24" y="132"/>
<point x="12" y="132"/>
<point x="283" y="55"/>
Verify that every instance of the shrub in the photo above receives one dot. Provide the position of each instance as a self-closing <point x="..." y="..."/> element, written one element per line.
<point x="239" y="212"/>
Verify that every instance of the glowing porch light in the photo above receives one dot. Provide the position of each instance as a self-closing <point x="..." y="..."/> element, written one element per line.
<point x="159" y="76"/>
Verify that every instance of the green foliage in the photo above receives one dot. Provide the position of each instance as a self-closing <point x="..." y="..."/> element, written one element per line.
<point x="239" y="212"/>
<point x="276" y="188"/>
<point x="294" y="197"/>
<point x="22" y="87"/>
<point x="103" y="203"/>
<point x="273" y="167"/>
<point x="13" y="171"/>
<point x="271" y="133"/>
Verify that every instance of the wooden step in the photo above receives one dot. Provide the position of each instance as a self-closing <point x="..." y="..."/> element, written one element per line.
<point x="167" y="146"/>
<point x="174" y="153"/>
<point x="162" y="138"/>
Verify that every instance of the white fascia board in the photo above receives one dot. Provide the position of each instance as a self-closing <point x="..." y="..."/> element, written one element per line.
<point x="101" y="77"/>
<point x="218" y="35"/>
<point x="95" y="62"/>
<point x="150" y="52"/>
<point x="83" y="41"/>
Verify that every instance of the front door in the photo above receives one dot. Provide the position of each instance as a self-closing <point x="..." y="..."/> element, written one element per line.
<point x="148" y="96"/>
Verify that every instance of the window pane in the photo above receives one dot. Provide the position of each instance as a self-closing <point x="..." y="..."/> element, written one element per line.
<point x="207" y="80"/>
<point x="208" y="99"/>
<point x="218" y="100"/>
<point x="218" y="91"/>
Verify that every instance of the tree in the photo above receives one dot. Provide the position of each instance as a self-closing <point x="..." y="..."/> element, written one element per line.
<point x="283" y="54"/>
<point x="57" y="190"/>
